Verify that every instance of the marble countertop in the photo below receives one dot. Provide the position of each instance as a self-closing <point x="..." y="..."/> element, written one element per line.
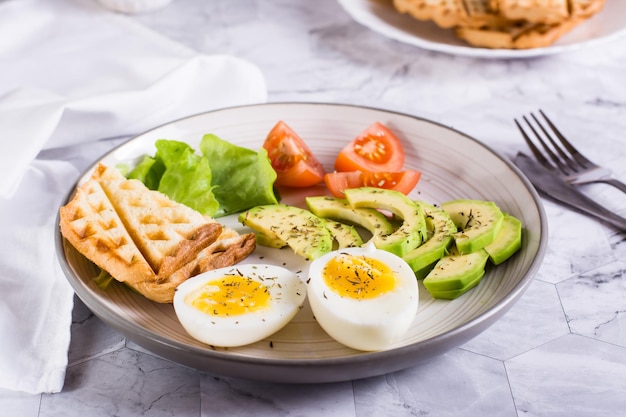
<point x="560" y="351"/>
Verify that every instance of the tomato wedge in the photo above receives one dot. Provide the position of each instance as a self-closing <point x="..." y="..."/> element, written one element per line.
<point x="403" y="181"/>
<point x="375" y="149"/>
<point x="291" y="158"/>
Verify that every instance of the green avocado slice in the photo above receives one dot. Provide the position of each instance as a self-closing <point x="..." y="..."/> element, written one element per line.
<point x="452" y="294"/>
<point x="270" y="241"/>
<point x="345" y="235"/>
<point x="412" y="230"/>
<point x="440" y="230"/>
<point x="478" y="222"/>
<point x="456" y="271"/>
<point x="339" y="209"/>
<point x="298" y="228"/>
<point x="507" y="241"/>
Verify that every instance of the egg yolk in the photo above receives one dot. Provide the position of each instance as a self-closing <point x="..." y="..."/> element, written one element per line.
<point x="230" y="296"/>
<point x="358" y="277"/>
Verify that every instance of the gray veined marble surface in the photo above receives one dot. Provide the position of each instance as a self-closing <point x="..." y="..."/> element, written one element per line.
<point x="560" y="351"/>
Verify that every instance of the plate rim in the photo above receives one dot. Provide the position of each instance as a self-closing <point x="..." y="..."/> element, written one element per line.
<point x="476" y="324"/>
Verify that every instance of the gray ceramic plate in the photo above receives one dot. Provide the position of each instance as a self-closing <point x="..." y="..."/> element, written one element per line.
<point x="453" y="166"/>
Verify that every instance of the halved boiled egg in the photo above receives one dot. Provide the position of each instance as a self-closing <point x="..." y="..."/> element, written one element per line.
<point x="363" y="297"/>
<point x="238" y="305"/>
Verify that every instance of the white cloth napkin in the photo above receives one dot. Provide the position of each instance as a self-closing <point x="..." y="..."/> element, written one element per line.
<point x="71" y="73"/>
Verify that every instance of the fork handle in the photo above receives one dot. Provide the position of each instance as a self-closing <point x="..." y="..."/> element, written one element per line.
<point x="585" y="205"/>
<point x="590" y="207"/>
<point x="615" y="183"/>
<point x="604" y="215"/>
<point x="557" y="189"/>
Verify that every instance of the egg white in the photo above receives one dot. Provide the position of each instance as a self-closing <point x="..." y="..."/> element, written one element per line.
<point x="365" y="324"/>
<point x="287" y="294"/>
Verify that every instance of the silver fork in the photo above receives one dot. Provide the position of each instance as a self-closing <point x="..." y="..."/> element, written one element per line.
<point x="570" y="164"/>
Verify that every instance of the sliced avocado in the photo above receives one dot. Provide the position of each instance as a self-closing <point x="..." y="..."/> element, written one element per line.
<point x="300" y="229"/>
<point x="456" y="271"/>
<point x="478" y="222"/>
<point x="270" y="241"/>
<point x="340" y="210"/>
<point x="411" y="232"/>
<point x="423" y="272"/>
<point x="345" y="235"/>
<point x="507" y="242"/>
<point x="440" y="230"/>
<point x="452" y="294"/>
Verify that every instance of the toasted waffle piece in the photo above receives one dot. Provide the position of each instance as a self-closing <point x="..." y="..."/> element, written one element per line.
<point x="91" y="224"/>
<point x="169" y="234"/>
<point x="523" y="35"/>
<point x="451" y="13"/>
<point x="230" y="248"/>
<point x="585" y="8"/>
<point x="535" y="11"/>
<point x="481" y="13"/>
<point x="143" y="238"/>
<point x="445" y="13"/>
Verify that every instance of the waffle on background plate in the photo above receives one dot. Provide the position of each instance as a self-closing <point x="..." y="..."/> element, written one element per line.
<point x="504" y="24"/>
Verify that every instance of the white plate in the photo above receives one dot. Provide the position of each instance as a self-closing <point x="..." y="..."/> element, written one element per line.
<point x="453" y="166"/>
<point x="380" y="16"/>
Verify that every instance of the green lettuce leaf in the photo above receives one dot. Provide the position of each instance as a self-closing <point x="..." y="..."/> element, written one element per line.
<point x="149" y="171"/>
<point x="103" y="280"/>
<point x="187" y="180"/>
<point x="170" y="151"/>
<point x="242" y="178"/>
<point x="225" y="179"/>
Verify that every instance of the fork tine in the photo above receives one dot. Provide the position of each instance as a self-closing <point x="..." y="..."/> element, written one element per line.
<point x="580" y="158"/>
<point x="538" y="155"/>
<point x="556" y="161"/>
<point x="563" y="156"/>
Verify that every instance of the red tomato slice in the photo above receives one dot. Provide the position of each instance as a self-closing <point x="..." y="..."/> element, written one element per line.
<point x="375" y="149"/>
<point x="337" y="182"/>
<point x="291" y="158"/>
<point x="403" y="181"/>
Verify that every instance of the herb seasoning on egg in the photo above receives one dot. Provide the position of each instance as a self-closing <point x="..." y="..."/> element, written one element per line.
<point x="358" y="277"/>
